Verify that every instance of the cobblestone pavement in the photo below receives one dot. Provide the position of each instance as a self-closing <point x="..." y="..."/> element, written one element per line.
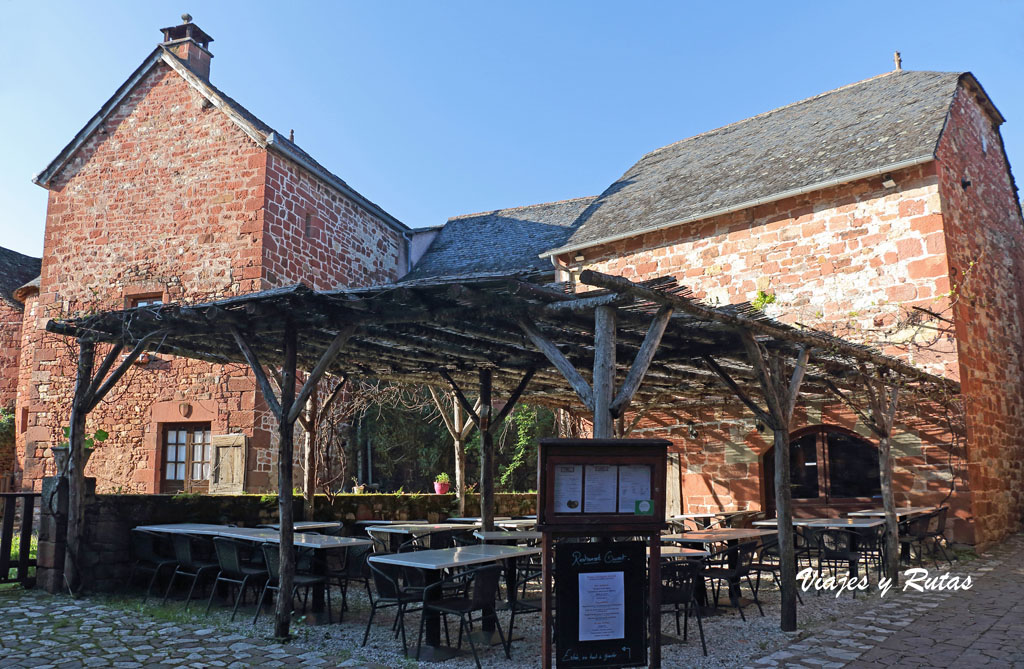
<point x="983" y="626"/>
<point x="37" y="630"/>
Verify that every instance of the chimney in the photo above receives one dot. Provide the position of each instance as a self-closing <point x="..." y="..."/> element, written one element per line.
<point x="191" y="44"/>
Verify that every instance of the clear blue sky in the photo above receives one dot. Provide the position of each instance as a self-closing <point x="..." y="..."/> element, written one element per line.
<point x="434" y="109"/>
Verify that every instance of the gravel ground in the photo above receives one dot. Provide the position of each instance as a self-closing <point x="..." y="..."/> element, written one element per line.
<point x="732" y="642"/>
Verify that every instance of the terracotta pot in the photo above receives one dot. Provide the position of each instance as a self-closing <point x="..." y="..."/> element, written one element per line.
<point x="441" y="488"/>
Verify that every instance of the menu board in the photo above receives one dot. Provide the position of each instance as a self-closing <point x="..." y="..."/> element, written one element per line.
<point x="603" y="489"/>
<point x="568" y="488"/>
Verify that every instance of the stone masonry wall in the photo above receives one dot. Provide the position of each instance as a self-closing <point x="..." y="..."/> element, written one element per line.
<point x="985" y="237"/>
<point x="165" y="199"/>
<point x="10" y="345"/>
<point x="851" y="260"/>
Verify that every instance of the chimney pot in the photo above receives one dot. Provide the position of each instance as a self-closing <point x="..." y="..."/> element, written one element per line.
<point x="898" y="60"/>
<point x="189" y="43"/>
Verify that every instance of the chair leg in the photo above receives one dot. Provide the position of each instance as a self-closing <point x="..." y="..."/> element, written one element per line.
<point x="373" y="610"/>
<point x="259" y="604"/>
<point x="169" y="586"/>
<point x="152" y="582"/>
<point x="700" y="628"/>
<point x="754" y="591"/>
<point x="419" y="637"/>
<point x="472" y="645"/>
<point x="195" y="581"/>
<point x="501" y="635"/>
<point x="213" y="591"/>
<point x="238" y="597"/>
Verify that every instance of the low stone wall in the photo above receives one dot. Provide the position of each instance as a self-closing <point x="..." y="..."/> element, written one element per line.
<point x="107" y="553"/>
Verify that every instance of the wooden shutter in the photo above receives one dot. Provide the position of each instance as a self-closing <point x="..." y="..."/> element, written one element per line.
<point x="227" y="475"/>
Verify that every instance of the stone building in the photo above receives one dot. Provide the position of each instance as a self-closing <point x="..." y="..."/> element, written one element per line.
<point x="173" y="192"/>
<point x="884" y="212"/>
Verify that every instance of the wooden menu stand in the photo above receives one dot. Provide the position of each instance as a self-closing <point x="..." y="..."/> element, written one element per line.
<point x="613" y="474"/>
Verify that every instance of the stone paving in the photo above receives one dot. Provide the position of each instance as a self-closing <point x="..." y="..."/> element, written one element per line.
<point x="982" y="626"/>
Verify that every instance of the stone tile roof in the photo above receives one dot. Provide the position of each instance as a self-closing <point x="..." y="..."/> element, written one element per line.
<point x="500" y="241"/>
<point x="873" y="125"/>
<point x="16" y="269"/>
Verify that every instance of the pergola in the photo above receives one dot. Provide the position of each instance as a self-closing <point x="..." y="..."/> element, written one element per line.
<point x="618" y="345"/>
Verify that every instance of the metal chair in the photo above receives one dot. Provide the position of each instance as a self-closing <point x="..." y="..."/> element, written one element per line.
<point x="483" y="591"/>
<point x="679" y="579"/>
<point x="354" y="569"/>
<point x="233" y="570"/>
<point x="148" y="558"/>
<point x="272" y="558"/>
<point x="387" y="581"/>
<point x="731" y="566"/>
<point x="838" y="547"/>
<point x="188" y="565"/>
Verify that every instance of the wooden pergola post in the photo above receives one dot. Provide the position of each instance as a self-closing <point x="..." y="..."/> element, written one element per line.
<point x="287" y="409"/>
<point x="780" y="398"/>
<point x="486" y="422"/>
<point x="76" y="463"/>
<point x="604" y="371"/>
<point x="459" y="428"/>
<point x="883" y="399"/>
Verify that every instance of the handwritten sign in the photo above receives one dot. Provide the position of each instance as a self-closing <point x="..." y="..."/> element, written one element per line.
<point x="600" y="593"/>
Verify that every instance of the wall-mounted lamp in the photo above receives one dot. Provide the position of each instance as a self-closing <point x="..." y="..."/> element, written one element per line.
<point x="691" y="429"/>
<point x="887" y="181"/>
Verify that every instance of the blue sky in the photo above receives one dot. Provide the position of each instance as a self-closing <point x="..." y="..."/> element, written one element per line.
<point x="434" y="109"/>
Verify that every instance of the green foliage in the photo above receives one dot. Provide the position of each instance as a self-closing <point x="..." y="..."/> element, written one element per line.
<point x="6" y="426"/>
<point x="762" y="300"/>
<point x="89" y="441"/>
<point x="442" y="478"/>
<point x="528" y="425"/>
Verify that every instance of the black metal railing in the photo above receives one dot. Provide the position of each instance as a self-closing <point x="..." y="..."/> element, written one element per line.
<point x="15" y="564"/>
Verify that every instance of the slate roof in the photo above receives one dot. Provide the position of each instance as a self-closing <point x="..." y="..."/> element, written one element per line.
<point x="501" y="241"/>
<point x="872" y="126"/>
<point x="16" y="269"/>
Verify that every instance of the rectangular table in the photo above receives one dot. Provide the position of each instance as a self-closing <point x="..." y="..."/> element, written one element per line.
<point x="498" y="536"/>
<point x="475" y="519"/>
<point x="731" y="536"/>
<point x="517" y="523"/>
<point x="434" y="561"/>
<point x="415" y="530"/>
<point x="306" y="525"/>
<point x="901" y="512"/>
<point x="797" y="522"/>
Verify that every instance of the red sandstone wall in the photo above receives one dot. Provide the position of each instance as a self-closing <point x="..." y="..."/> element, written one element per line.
<point x="10" y="345"/>
<point x="983" y="226"/>
<point x="343" y="245"/>
<point x="166" y="198"/>
<point x="851" y="260"/>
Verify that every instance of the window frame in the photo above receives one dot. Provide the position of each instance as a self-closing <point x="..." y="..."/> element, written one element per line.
<point x="821" y="433"/>
<point x="188" y="484"/>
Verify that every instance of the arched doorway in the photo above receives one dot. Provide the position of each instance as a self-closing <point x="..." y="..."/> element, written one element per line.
<point x="831" y="471"/>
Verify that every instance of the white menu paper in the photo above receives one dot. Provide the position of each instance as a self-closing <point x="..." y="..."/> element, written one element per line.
<point x="600" y="487"/>
<point x="602" y="606"/>
<point x="568" y="488"/>
<point x="634" y="484"/>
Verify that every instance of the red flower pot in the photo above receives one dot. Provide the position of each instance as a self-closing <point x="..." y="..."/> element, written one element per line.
<point x="441" y="488"/>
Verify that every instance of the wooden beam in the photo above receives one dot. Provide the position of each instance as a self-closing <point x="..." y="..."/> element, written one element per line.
<point x="73" y="559"/>
<point x="513" y="398"/>
<point x="761" y="414"/>
<point x="285" y="482"/>
<point x="101" y="372"/>
<point x="486" y="453"/>
<point x="561" y="363"/>
<point x="461" y="398"/>
<point x="119" y="371"/>
<point x="585" y="304"/>
<point x="321" y="367"/>
<point x="793" y="391"/>
<point x="642" y="361"/>
<point x="604" y="371"/>
<point x="261" y="377"/>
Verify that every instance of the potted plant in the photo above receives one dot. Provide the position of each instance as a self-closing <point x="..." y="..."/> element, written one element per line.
<point x="442" y="483"/>
<point x="357" y="487"/>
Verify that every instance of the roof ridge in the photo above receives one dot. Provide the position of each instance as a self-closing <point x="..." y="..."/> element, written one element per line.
<point x="785" y="107"/>
<point x="525" y="206"/>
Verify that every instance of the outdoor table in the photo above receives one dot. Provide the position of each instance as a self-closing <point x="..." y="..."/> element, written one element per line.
<point x="901" y="512"/>
<point x="503" y="536"/>
<point x="681" y="552"/>
<point x="516" y="523"/>
<point x="848" y="523"/>
<point x="317" y="542"/>
<point x="475" y="519"/>
<point x="797" y="522"/>
<point x="307" y="525"/>
<point x="699" y="519"/>
<point x="731" y="536"/>
<point x="391" y="522"/>
<point x="433" y="562"/>
<point x="416" y="529"/>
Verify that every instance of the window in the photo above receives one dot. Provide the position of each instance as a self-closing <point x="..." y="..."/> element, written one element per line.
<point x="827" y="464"/>
<point x="145" y="300"/>
<point x="186" y="457"/>
<point x="308" y="228"/>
